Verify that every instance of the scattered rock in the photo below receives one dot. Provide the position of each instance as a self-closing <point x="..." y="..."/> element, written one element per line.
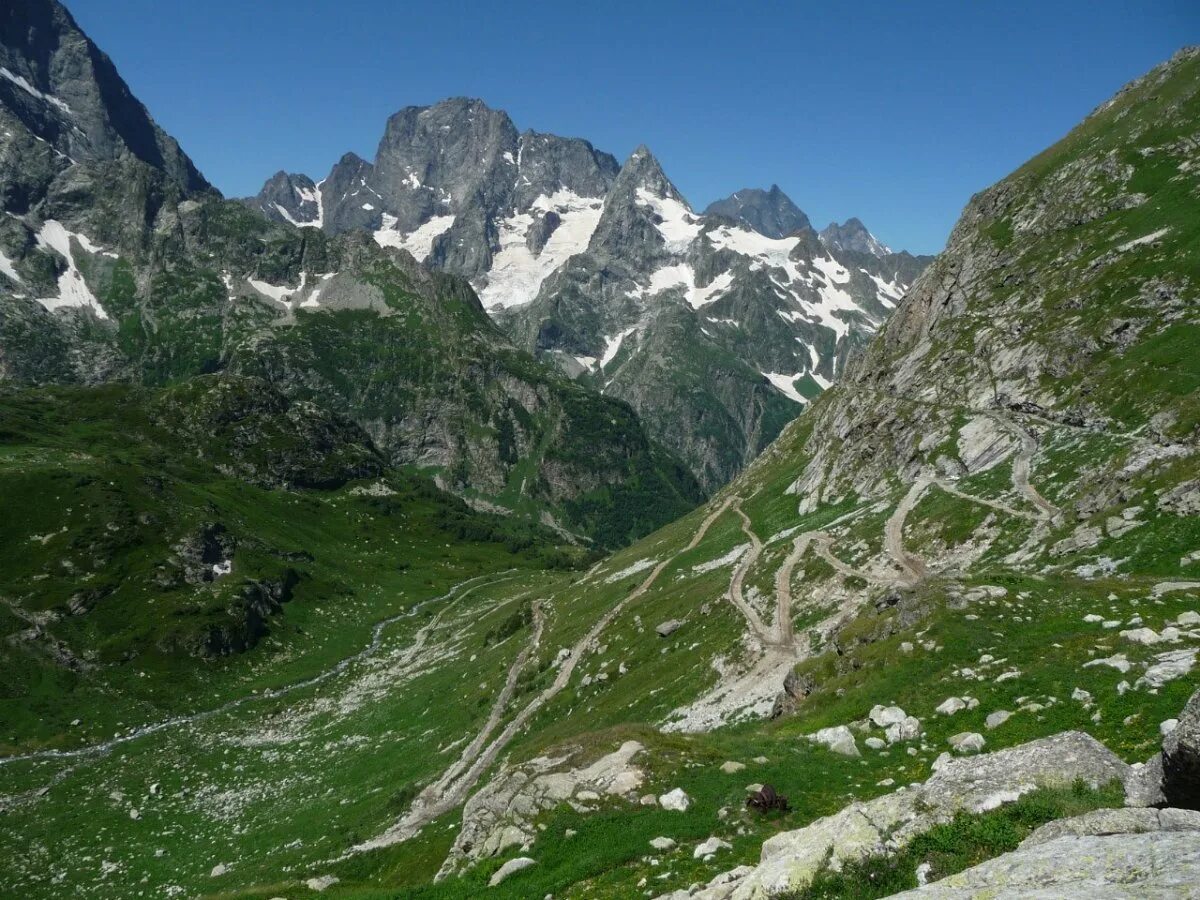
<point x="838" y="739"/>
<point x="1168" y="666"/>
<point x="668" y="628"/>
<point x="662" y="843"/>
<point x="323" y="882"/>
<point x="967" y="742"/>
<point x="883" y="716"/>
<point x="218" y="870"/>
<point x="1145" y="636"/>
<point x="907" y="730"/>
<point x="730" y="767"/>
<point x="675" y="800"/>
<point x="511" y="867"/>
<point x="709" y="848"/>
<point x="950" y="706"/>
<point x="875" y="743"/>
<point x="998" y="718"/>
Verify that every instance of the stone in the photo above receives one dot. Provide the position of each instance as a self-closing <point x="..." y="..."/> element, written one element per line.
<point x="675" y="800"/>
<point x="510" y="868"/>
<point x="1116" y="821"/>
<point x="218" y="870"/>
<point x="1154" y="864"/>
<point x="648" y="800"/>
<point x="707" y="849"/>
<point x="322" y="882"/>
<point x="1181" y="758"/>
<point x="907" y="730"/>
<point x="1145" y="636"/>
<point x="1166" y="726"/>
<point x="950" y="706"/>
<point x="1167" y="667"/>
<point x="662" y="844"/>
<point x="875" y="743"/>
<point x="998" y="718"/>
<point x="1190" y="617"/>
<point x="1081" y="696"/>
<point x="789" y="860"/>
<point x="839" y="739"/>
<point x="883" y="716"/>
<point x="668" y="628"/>
<point x="967" y="742"/>
<point x="729" y="767"/>
<point x="1143" y="787"/>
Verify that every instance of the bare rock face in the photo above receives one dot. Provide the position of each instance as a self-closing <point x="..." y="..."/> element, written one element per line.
<point x="500" y="816"/>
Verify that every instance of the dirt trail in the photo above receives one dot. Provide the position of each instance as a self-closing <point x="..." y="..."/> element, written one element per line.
<point x="436" y="799"/>
<point x="824" y="549"/>
<point x="893" y="532"/>
<point x="949" y="488"/>
<point x="1023" y="463"/>
<point x="456" y="790"/>
<point x="457" y="593"/>
<point x="736" y="592"/>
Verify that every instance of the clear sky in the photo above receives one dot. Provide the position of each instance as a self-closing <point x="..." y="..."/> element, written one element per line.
<point x="895" y="112"/>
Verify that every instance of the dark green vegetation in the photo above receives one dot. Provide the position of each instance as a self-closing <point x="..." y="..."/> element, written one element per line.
<point x="243" y="630"/>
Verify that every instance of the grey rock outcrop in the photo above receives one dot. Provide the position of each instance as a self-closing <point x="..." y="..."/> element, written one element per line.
<point x="771" y="212"/>
<point x="1181" y="758"/>
<point x="1155" y="864"/>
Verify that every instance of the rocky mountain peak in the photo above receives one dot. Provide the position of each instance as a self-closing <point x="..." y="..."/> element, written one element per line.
<point x="65" y="91"/>
<point x="852" y="236"/>
<point x="771" y="212"/>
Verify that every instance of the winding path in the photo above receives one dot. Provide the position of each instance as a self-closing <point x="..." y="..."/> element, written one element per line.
<point x="419" y="640"/>
<point x="457" y="789"/>
<point x="1023" y="464"/>
<point x="893" y="532"/>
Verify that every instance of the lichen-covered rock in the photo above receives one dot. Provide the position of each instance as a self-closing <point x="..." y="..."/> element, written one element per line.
<point x="1116" y="821"/>
<point x="1158" y="864"/>
<point x="791" y="859"/>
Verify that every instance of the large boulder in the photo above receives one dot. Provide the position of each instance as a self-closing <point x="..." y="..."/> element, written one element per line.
<point x="1088" y="867"/>
<point x="975" y="784"/>
<point x="1181" y="759"/>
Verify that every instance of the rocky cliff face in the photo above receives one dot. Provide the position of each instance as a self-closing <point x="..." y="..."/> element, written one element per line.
<point x="591" y="265"/>
<point x="119" y="262"/>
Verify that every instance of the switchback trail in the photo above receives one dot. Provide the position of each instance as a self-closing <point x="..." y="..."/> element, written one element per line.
<point x="457" y="593"/>
<point x="893" y="532"/>
<point x="1023" y="463"/>
<point x="457" y="789"/>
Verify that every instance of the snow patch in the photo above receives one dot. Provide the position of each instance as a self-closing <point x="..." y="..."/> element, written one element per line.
<point x="419" y="242"/>
<point x="517" y="273"/>
<point x="72" y="289"/>
<point x="785" y="384"/>
<point x="613" y="344"/>
<point x="679" y="226"/>
<point x="32" y="91"/>
<point x="7" y="268"/>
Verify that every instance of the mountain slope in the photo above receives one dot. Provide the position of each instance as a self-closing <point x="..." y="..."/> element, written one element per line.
<point x="119" y="264"/>
<point x="986" y="535"/>
<point x="565" y="251"/>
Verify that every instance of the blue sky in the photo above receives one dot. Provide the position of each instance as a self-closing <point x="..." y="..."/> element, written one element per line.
<point x="895" y="112"/>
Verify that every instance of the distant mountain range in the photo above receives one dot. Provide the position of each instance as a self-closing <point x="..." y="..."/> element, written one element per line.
<point x="717" y="327"/>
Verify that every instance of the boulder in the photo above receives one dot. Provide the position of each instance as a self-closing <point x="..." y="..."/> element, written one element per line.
<point x="668" y="628"/>
<point x="675" y="800"/>
<point x="838" y="739"/>
<point x="729" y="767"/>
<point x="967" y="742"/>
<point x="510" y="868"/>
<point x="1143" y="787"/>
<point x="883" y="716"/>
<point x="662" y="844"/>
<point x="1116" y="821"/>
<point x="950" y="706"/>
<point x="998" y="718"/>
<point x="1092" y="867"/>
<point x="707" y="849"/>
<point x="1181" y="758"/>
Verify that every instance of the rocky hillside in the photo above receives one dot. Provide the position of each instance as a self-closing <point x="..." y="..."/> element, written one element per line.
<point x="730" y="322"/>
<point x="942" y="633"/>
<point x="118" y="263"/>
